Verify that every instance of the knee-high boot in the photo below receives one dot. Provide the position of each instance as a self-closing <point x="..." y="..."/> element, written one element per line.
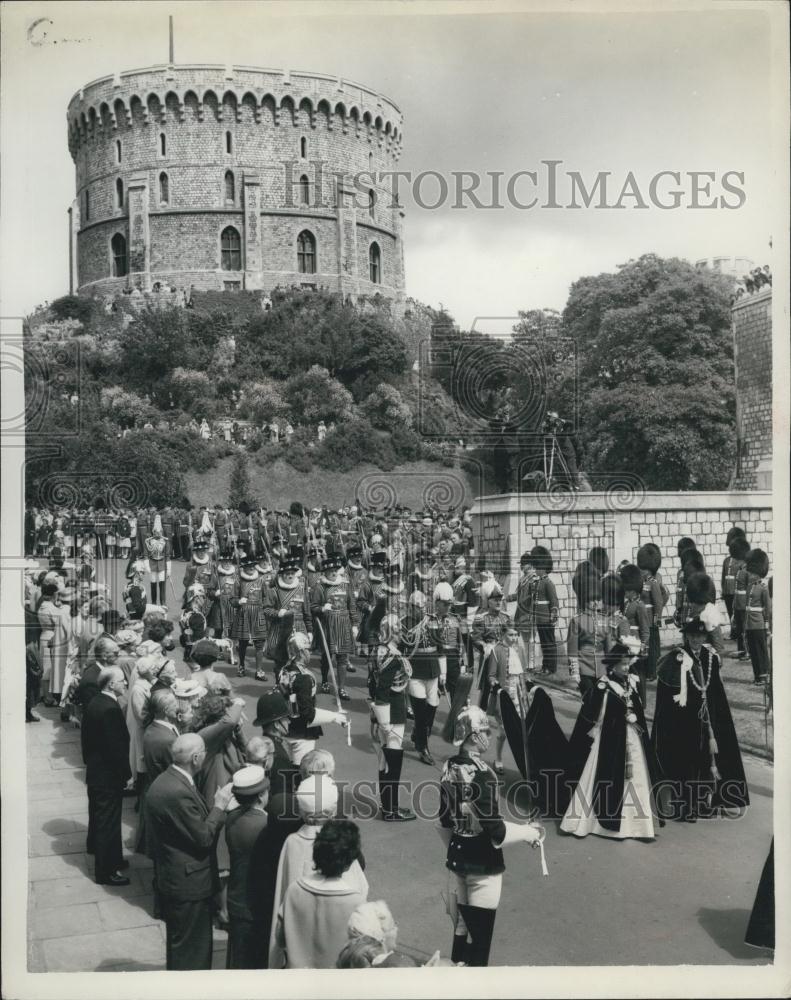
<point x="389" y="793"/>
<point x="162" y="598"/>
<point x="431" y="711"/>
<point x="243" y="644"/>
<point x="480" y="924"/>
<point x="419" y="727"/>
<point x="153" y="593"/>
<point x="459" y="948"/>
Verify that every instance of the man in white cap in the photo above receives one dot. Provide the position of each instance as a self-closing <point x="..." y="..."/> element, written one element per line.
<point x="488" y="627"/>
<point x="245" y="834"/>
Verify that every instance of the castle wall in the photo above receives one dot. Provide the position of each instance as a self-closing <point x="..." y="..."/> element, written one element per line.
<point x="506" y="526"/>
<point x="250" y="122"/>
<point x="752" y="347"/>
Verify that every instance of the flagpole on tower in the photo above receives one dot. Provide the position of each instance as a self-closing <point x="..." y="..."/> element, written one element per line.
<point x="170" y="24"/>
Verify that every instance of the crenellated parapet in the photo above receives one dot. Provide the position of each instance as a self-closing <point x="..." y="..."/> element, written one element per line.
<point x="162" y="95"/>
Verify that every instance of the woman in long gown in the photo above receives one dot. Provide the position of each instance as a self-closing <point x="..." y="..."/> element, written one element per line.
<point x="613" y="764"/>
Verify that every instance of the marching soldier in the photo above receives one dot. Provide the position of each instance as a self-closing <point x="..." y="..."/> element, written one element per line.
<point x="525" y="597"/>
<point x="369" y="595"/>
<point x="200" y="570"/>
<point x="429" y="671"/>
<point x="465" y="601"/>
<point x="739" y="549"/>
<point x="298" y="686"/>
<point x="331" y="606"/>
<point x="488" y="627"/>
<point x="287" y="610"/>
<point x="546" y="608"/>
<point x="249" y="621"/>
<point x="221" y="610"/>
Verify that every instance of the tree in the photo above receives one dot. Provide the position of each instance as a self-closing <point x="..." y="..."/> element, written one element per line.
<point x="262" y="401"/>
<point x="191" y="388"/>
<point x="126" y="408"/>
<point x="655" y="380"/>
<point x="386" y="409"/>
<point x="240" y="490"/>
<point x="314" y="395"/>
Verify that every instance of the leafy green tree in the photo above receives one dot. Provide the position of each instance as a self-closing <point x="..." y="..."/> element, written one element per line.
<point x="240" y="490"/>
<point x="655" y="383"/>
<point x="262" y="401"/>
<point x="386" y="409"/>
<point x="314" y="395"/>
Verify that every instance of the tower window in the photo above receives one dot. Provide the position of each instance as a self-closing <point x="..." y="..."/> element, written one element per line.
<point x="228" y="142"/>
<point x="118" y="248"/>
<point x="304" y="190"/>
<point x="117" y="150"/>
<point x="370" y="161"/>
<point x="303" y="148"/>
<point x="119" y="193"/>
<point x="375" y="263"/>
<point x="230" y="249"/>
<point x="306" y="253"/>
<point x="164" y="189"/>
<point x="162" y="144"/>
<point x="230" y="187"/>
<point x="87" y="205"/>
<point x="371" y="203"/>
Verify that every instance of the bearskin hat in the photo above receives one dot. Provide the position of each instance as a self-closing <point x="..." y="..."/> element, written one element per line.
<point x="685" y="543"/>
<point x="739" y="547"/>
<point x="524" y="559"/>
<point x="649" y="558"/>
<point x="612" y="591"/>
<point x="700" y="589"/>
<point x="734" y="532"/>
<point x="586" y="584"/>
<point x="693" y="563"/>
<point x="757" y="562"/>
<point x="687" y="554"/>
<point x="632" y="578"/>
<point x="541" y="558"/>
<point x="599" y="559"/>
<point x="296" y="508"/>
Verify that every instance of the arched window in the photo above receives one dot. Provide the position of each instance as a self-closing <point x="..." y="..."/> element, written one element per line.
<point x="87" y="205"/>
<point x="118" y="248"/>
<point x="375" y="263"/>
<point x="371" y="203"/>
<point x="304" y="190"/>
<point x="162" y="144"/>
<point x="117" y="150"/>
<point x="164" y="189"/>
<point x="370" y="161"/>
<point x="230" y="187"/>
<point x="119" y="193"/>
<point x="306" y="253"/>
<point x="230" y="249"/>
<point x="303" y="148"/>
<point x="228" y="142"/>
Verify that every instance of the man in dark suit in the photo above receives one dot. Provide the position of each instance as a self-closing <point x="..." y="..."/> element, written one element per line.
<point x="104" y="654"/>
<point x="183" y="830"/>
<point x="105" y="750"/>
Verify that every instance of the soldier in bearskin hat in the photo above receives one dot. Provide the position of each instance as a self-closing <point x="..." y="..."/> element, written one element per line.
<point x="331" y="606"/>
<point x="758" y="614"/>
<point x="525" y="615"/>
<point x="649" y="559"/>
<point x="739" y="549"/>
<point x="546" y="608"/>
<point x="298" y="686"/>
<point x="684" y="544"/>
<point x="587" y="631"/>
<point x="287" y="609"/>
<point x="387" y="683"/>
<point x="693" y="734"/>
<point x="474" y="833"/>
<point x="249" y="622"/>
<point x="638" y="618"/>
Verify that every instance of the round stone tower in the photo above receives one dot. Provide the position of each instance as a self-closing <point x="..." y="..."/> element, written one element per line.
<point x="218" y="177"/>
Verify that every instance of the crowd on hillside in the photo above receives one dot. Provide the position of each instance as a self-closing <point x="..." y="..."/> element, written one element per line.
<point x="244" y="820"/>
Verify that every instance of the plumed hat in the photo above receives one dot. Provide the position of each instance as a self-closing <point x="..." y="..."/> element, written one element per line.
<point x="649" y="557"/>
<point x="489" y="589"/>
<point x="739" y="547"/>
<point x="700" y="589"/>
<point x="631" y="577"/>
<point x="757" y="562"/>
<point x="599" y="559"/>
<point x="541" y="558"/>
<point x="443" y="592"/>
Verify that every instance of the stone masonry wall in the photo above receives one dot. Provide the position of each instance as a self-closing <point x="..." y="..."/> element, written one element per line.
<point x="752" y="341"/>
<point x="501" y="536"/>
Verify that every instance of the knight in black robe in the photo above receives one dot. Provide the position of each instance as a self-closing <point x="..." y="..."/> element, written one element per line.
<point x="693" y="734"/>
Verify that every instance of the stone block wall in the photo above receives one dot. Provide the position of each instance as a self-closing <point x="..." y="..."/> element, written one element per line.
<point x="752" y="349"/>
<point x="506" y="526"/>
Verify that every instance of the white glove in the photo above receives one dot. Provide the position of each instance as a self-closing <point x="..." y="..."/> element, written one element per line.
<point x="326" y="607"/>
<point x="281" y="612"/>
<point x="574" y="670"/>
<point x="533" y="834"/>
<point x="341" y="719"/>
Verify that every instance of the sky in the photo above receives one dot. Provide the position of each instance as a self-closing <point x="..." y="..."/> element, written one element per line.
<point x="483" y="88"/>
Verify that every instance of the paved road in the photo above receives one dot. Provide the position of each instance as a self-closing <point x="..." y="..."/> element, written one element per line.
<point x="684" y="898"/>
